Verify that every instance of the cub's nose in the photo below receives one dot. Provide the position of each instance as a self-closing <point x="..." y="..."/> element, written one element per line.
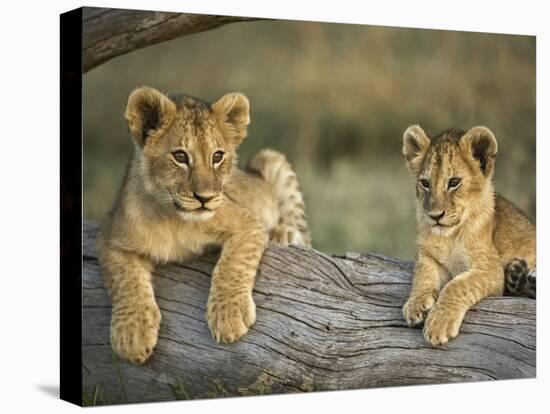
<point x="203" y="198"/>
<point x="436" y="216"/>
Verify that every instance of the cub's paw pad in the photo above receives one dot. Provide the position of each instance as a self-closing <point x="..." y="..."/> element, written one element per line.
<point x="229" y="319"/>
<point x="417" y="307"/>
<point x="286" y="235"/>
<point x="441" y="325"/>
<point x="532" y="283"/>
<point x="134" y="333"/>
<point x="516" y="276"/>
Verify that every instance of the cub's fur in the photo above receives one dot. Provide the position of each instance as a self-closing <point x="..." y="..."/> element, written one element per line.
<point x="468" y="236"/>
<point x="182" y="194"/>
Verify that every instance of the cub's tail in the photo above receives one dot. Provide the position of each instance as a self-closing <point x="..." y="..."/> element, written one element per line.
<point x="519" y="279"/>
<point x="274" y="168"/>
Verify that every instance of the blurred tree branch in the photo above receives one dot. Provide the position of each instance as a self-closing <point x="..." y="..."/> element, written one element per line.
<point x="108" y="33"/>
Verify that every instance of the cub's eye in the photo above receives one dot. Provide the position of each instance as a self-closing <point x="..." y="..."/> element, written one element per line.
<point x="217" y="157"/>
<point x="425" y="183"/>
<point x="454" y="182"/>
<point x="181" y="157"/>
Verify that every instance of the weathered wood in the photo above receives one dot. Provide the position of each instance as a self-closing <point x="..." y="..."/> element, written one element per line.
<point x="108" y="33"/>
<point x="323" y="323"/>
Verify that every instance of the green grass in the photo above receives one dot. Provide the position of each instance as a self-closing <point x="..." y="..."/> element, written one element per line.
<point x="179" y="392"/>
<point x="93" y="397"/>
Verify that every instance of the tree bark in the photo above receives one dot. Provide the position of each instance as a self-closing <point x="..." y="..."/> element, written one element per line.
<point x="108" y="33"/>
<point x="323" y="323"/>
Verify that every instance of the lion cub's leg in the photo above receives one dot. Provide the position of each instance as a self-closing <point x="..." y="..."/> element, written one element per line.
<point x="458" y="296"/>
<point x="277" y="171"/>
<point x="519" y="279"/>
<point x="135" y="318"/>
<point x="428" y="278"/>
<point x="231" y="309"/>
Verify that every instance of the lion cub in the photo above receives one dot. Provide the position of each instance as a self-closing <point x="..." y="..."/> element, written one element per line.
<point x="469" y="238"/>
<point x="183" y="193"/>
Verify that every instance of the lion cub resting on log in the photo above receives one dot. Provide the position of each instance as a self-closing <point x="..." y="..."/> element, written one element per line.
<point x="182" y="194"/>
<point x="471" y="242"/>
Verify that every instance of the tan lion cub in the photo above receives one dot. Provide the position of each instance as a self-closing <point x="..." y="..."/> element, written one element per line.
<point x="183" y="193"/>
<point x="468" y="237"/>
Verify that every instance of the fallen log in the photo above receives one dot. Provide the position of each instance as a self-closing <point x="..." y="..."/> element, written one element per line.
<point x="107" y="33"/>
<point x="323" y="323"/>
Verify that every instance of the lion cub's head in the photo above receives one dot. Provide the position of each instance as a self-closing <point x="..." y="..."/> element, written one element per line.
<point x="186" y="147"/>
<point x="453" y="173"/>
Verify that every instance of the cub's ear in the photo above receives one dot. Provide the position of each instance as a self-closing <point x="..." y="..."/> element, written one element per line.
<point x="232" y="111"/>
<point x="480" y="146"/>
<point x="415" y="145"/>
<point x="148" y="113"/>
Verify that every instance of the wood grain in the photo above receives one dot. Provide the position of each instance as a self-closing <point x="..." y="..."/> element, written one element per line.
<point x="108" y="33"/>
<point x="323" y="323"/>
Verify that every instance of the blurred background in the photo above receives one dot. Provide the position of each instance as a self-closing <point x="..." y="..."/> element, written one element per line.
<point x="336" y="100"/>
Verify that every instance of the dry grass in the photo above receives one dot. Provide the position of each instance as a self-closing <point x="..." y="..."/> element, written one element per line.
<point x="335" y="98"/>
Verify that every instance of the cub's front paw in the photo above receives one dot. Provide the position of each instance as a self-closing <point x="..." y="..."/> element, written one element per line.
<point x="230" y="316"/>
<point x="442" y="324"/>
<point x="416" y="308"/>
<point x="134" y="331"/>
